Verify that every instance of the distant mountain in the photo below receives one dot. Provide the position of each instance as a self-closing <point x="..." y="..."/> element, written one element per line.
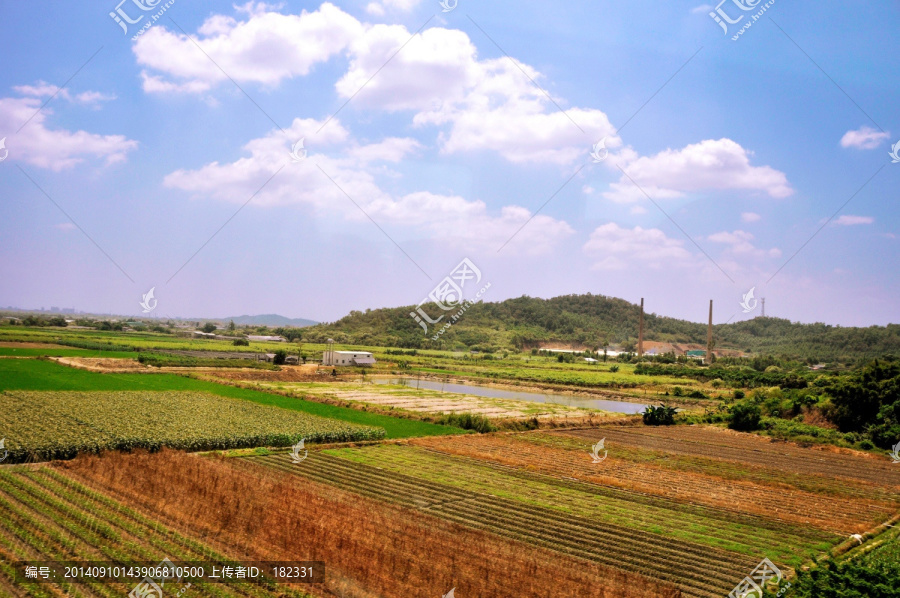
<point x="273" y="320"/>
<point x="595" y="321"/>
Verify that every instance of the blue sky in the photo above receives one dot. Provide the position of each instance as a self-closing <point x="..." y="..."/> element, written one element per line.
<point x="723" y="158"/>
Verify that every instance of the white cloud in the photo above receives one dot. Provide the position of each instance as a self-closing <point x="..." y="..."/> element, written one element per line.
<point x="265" y="48"/>
<point x="739" y="242"/>
<point x="750" y="217"/>
<point x="619" y="248"/>
<point x="55" y="149"/>
<point x="703" y="8"/>
<point x="447" y="218"/>
<point x="43" y="89"/>
<point x="849" y="220"/>
<point x="487" y="104"/>
<point x="864" y="138"/>
<point x="375" y="8"/>
<point x="65" y="226"/>
<point x="711" y="165"/>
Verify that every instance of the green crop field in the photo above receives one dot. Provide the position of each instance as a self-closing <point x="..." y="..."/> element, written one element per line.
<point x="41" y="425"/>
<point x="32" y="374"/>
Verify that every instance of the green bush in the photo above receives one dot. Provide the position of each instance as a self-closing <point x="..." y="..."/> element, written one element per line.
<point x="241" y="342"/>
<point x="613" y="368"/>
<point x="745" y="417"/>
<point x="280" y="357"/>
<point x="467" y="421"/>
<point x="662" y="415"/>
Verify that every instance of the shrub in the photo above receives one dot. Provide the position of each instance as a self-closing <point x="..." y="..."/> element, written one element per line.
<point x="209" y="327"/>
<point x="241" y="342"/>
<point x="866" y="445"/>
<point x="739" y="394"/>
<point x="745" y="417"/>
<point x="613" y="368"/>
<point x="662" y="415"/>
<point x="280" y="356"/>
<point x="467" y="421"/>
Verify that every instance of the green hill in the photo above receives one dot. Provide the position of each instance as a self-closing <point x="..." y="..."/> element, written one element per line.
<point x="595" y="321"/>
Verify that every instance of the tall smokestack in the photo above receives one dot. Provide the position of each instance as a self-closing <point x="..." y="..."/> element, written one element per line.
<point x="763" y="300"/>
<point x="709" y="336"/>
<point x="641" y="331"/>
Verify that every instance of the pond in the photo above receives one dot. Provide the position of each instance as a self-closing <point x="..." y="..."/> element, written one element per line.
<point x="498" y="393"/>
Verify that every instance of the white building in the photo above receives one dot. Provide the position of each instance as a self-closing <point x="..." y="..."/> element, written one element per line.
<point x="333" y="358"/>
<point x="263" y="339"/>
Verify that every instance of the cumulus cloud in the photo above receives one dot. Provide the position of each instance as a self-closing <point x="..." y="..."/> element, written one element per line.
<point x="864" y="138"/>
<point x="739" y="242"/>
<point x="487" y="104"/>
<point x="336" y="167"/>
<point x="379" y="8"/>
<point x="42" y="89"/>
<point x="711" y="165"/>
<point x="266" y="47"/>
<point x="849" y="220"/>
<point x="750" y="217"/>
<point x="54" y="148"/>
<point x="618" y="248"/>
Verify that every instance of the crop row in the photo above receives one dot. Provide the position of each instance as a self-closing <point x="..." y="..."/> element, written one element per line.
<point x="724" y="445"/>
<point x="697" y="570"/>
<point x="835" y="515"/>
<point x="698" y="524"/>
<point x="58" y="425"/>
<point x="51" y="517"/>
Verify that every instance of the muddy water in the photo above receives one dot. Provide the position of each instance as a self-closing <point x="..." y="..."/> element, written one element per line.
<point x="497" y="393"/>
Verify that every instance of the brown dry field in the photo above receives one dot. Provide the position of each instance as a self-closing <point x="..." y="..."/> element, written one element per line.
<point x="18" y="345"/>
<point x="370" y="548"/>
<point x="835" y="511"/>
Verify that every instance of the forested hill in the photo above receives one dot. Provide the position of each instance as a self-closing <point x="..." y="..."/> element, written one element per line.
<point x="595" y="321"/>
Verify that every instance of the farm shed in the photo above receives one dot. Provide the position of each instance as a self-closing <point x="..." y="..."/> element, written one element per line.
<point x="333" y="358"/>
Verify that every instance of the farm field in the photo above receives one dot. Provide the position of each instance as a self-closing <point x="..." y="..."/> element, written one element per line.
<point x="405" y="398"/>
<point x="58" y="425"/>
<point x="31" y="374"/>
<point x="46" y="515"/>
<point x="695" y="528"/>
<point x="369" y="547"/>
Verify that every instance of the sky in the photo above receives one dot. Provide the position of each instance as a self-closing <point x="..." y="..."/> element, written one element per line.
<point x="310" y="159"/>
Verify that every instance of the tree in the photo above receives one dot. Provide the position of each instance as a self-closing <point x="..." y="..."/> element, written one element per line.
<point x="280" y="357"/>
<point x="662" y="415"/>
<point x="231" y="326"/>
<point x="209" y="327"/>
<point x="745" y="417"/>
